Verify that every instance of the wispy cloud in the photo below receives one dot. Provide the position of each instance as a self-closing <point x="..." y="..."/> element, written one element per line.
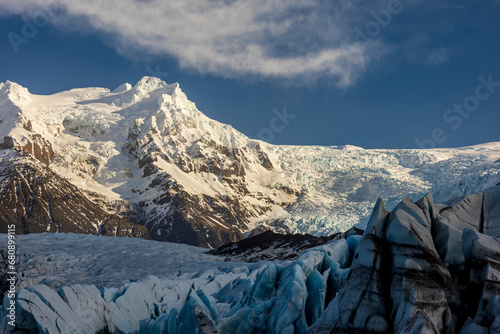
<point x="295" y="39"/>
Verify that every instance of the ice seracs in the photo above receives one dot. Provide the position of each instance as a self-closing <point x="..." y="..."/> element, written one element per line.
<point x="410" y="274"/>
<point x="220" y="296"/>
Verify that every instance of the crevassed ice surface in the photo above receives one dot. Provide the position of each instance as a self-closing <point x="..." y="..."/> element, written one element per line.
<point x="64" y="259"/>
<point x="340" y="184"/>
<point x="140" y="286"/>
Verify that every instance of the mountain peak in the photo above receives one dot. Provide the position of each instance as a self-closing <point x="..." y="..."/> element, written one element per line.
<point x="148" y="84"/>
<point x="175" y="89"/>
<point x="146" y="88"/>
<point x="14" y="92"/>
<point x="122" y="88"/>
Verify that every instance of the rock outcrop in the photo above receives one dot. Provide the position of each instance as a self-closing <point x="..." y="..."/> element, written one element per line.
<point x="270" y="246"/>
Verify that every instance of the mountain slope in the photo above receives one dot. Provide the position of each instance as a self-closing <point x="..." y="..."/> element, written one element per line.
<point x="34" y="199"/>
<point x="146" y="154"/>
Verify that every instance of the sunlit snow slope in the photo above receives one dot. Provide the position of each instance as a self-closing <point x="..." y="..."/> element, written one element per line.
<point x="146" y="155"/>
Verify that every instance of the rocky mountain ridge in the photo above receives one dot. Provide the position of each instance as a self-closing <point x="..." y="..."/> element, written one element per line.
<point x="34" y="199"/>
<point x="146" y="155"/>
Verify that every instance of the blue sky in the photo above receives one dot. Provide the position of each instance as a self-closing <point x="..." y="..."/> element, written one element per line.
<point x="346" y="77"/>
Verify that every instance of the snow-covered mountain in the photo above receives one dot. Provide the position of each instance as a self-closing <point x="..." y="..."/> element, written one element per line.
<point x="144" y="155"/>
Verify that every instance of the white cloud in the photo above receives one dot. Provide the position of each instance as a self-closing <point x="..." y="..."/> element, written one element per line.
<point x="284" y="39"/>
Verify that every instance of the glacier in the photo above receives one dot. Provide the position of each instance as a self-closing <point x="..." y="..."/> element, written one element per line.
<point x="423" y="267"/>
<point x="65" y="289"/>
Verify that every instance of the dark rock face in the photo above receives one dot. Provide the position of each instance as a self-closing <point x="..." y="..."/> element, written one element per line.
<point x="197" y="219"/>
<point x="193" y="219"/>
<point x="7" y="143"/>
<point x="424" y="268"/>
<point x="179" y="229"/>
<point x="270" y="246"/>
<point x="36" y="200"/>
<point x="118" y="227"/>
